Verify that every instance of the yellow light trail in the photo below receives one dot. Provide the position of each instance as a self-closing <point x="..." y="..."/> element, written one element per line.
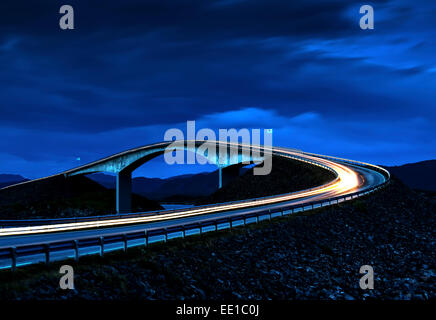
<point x="346" y="181"/>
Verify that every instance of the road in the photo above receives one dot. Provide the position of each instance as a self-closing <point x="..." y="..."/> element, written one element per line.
<point x="350" y="179"/>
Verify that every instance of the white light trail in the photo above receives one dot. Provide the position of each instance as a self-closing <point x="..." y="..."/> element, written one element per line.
<point x="346" y="182"/>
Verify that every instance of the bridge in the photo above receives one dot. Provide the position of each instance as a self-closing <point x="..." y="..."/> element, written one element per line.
<point x="227" y="157"/>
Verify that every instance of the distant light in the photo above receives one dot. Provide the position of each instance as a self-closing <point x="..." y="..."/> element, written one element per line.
<point x="78" y="158"/>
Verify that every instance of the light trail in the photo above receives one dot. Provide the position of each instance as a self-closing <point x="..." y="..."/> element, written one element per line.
<point x="346" y="182"/>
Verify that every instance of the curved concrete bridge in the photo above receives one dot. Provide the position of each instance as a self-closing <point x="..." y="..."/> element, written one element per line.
<point x="229" y="158"/>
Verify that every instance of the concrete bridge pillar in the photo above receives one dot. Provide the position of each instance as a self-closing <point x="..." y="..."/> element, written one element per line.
<point x="124" y="192"/>
<point x="227" y="174"/>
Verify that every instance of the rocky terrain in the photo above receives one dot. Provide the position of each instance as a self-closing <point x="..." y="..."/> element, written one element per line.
<point x="312" y="256"/>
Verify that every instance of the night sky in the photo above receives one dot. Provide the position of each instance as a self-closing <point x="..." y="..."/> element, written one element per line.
<point x="132" y="69"/>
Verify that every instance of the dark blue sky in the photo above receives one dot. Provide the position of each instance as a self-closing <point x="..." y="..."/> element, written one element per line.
<point x="132" y="69"/>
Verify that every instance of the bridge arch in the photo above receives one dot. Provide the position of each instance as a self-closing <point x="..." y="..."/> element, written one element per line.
<point x="229" y="158"/>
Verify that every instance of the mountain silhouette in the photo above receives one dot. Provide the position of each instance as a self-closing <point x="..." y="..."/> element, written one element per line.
<point x="420" y="175"/>
<point x="10" y="179"/>
<point x="172" y="189"/>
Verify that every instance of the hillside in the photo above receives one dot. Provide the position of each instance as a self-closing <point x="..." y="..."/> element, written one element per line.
<point x="419" y="175"/>
<point x="286" y="176"/>
<point x="60" y="197"/>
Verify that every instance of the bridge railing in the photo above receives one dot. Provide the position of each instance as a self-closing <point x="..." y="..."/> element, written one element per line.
<point x="379" y="169"/>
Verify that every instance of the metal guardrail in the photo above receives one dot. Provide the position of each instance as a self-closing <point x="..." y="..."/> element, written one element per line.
<point x="11" y="258"/>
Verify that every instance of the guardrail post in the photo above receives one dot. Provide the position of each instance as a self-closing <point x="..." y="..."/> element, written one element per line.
<point x="13" y="258"/>
<point x="101" y="241"/>
<point x="76" y="250"/>
<point x="146" y="237"/>
<point x="47" y="253"/>
<point x="125" y="242"/>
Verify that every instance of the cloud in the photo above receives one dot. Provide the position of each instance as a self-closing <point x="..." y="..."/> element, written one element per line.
<point x="131" y="69"/>
<point x="367" y="140"/>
